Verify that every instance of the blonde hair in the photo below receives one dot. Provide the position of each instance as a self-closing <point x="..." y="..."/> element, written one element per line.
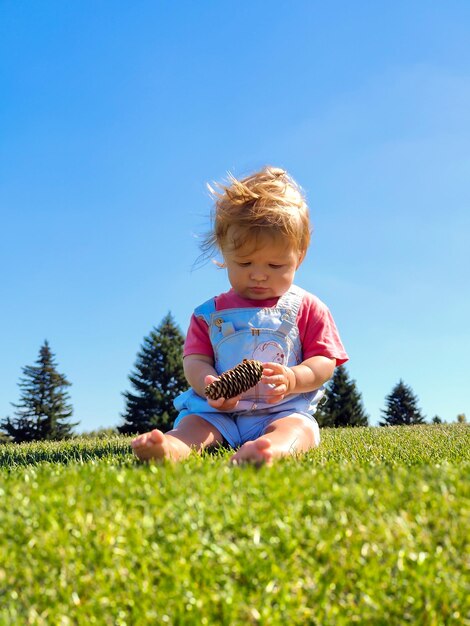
<point x="268" y="202"/>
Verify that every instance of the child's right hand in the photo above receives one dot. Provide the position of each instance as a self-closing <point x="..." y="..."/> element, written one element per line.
<point x="221" y="404"/>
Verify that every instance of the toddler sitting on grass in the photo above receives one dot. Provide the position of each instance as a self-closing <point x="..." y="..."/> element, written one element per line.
<point x="261" y="227"/>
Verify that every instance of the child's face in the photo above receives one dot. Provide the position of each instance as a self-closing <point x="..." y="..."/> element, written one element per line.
<point x="266" y="271"/>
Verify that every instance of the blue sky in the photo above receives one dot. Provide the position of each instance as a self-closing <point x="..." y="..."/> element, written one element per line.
<point x="115" y="115"/>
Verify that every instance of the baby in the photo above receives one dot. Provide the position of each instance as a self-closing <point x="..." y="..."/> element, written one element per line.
<point x="261" y="227"/>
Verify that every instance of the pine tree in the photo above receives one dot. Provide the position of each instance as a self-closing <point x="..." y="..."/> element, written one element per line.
<point x="343" y="405"/>
<point x="4" y="438"/>
<point x="401" y="407"/>
<point x="43" y="411"/>
<point x="158" y="377"/>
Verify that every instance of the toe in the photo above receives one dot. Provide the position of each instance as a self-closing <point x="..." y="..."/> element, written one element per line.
<point x="262" y="444"/>
<point x="155" y="437"/>
<point x="138" y="441"/>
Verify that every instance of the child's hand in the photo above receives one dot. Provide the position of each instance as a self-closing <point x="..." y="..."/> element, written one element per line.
<point x="281" y="380"/>
<point x="221" y="403"/>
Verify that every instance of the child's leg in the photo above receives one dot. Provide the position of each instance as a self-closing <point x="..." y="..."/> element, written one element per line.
<point x="284" y="436"/>
<point x="192" y="433"/>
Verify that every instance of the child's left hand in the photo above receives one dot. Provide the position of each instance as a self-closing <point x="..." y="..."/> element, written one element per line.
<point x="281" y="380"/>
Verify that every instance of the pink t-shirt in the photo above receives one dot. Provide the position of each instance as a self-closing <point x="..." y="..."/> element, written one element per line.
<point x="318" y="333"/>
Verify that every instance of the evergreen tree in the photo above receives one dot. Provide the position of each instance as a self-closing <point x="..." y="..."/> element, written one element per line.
<point x="4" y="438"/>
<point x="401" y="407"/>
<point x="43" y="411"/>
<point x="158" y="377"/>
<point x="343" y="405"/>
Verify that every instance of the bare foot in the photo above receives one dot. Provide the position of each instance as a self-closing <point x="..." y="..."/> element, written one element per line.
<point x="154" y="445"/>
<point x="258" y="452"/>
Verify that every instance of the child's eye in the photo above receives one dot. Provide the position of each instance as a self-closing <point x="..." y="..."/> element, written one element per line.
<point x="274" y="266"/>
<point x="244" y="264"/>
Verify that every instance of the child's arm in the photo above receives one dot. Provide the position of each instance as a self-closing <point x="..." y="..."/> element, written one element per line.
<point x="199" y="371"/>
<point x="311" y="374"/>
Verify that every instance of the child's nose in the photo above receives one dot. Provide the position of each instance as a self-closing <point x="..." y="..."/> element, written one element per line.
<point x="257" y="273"/>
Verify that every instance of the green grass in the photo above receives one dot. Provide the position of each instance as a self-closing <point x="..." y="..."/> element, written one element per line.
<point x="371" y="528"/>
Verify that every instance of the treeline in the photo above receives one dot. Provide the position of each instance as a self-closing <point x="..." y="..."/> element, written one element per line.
<point x="44" y="411"/>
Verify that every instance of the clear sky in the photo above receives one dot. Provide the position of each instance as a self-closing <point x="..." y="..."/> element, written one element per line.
<point x="115" y="115"/>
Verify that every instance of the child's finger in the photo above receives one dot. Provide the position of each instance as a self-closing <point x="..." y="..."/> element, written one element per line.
<point x="273" y="367"/>
<point x="275" y="379"/>
<point x="277" y="397"/>
<point x="217" y="404"/>
<point x="224" y="405"/>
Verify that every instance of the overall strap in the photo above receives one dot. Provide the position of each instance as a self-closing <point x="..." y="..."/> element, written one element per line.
<point x="291" y="301"/>
<point x="205" y="310"/>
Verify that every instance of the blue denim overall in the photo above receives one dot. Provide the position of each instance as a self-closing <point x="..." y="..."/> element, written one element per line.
<point x="266" y="334"/>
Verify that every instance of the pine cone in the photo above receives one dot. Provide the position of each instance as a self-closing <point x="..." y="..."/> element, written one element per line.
<point x="235" y="381"/>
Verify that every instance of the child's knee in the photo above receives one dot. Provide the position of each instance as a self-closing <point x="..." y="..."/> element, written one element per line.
<point x="309" y="430"/>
